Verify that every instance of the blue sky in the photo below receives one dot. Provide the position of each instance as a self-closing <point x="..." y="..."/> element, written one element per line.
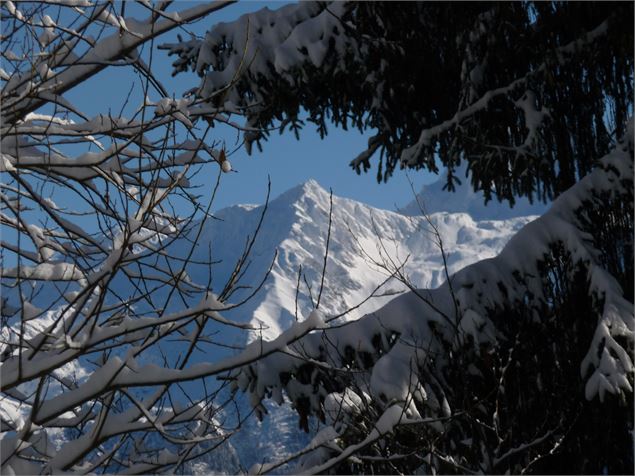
<point x="287" y="161"/>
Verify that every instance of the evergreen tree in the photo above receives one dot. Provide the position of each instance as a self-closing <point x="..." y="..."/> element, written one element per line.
<point x="529" y="94"/>
<point x="518" y="364"/>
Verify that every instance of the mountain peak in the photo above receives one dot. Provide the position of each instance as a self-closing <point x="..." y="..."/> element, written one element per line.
<point x="310" y="189"/>
<point x="312" y="186"/>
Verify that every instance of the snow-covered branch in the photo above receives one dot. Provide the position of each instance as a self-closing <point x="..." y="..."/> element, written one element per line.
<point x="102" y="315"/>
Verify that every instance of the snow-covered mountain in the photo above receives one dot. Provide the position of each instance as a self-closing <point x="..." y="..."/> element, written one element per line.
<point x="366" y="244"/>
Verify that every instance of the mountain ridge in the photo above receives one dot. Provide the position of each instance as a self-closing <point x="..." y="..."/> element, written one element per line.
<point x="296" y="224"/>
<point x="435" y="198"/>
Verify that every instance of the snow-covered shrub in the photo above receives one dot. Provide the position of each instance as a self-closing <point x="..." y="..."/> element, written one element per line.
<point x="522" y="362"/>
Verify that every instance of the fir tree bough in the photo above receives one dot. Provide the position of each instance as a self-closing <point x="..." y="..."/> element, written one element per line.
<point x="528" y="93"/>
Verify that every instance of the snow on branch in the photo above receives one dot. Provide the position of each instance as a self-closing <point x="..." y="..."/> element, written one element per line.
<point x="526" y="103"/>
<point x="104" y="305"/>
<point x="283" y="39"/>
<point x="131" y="35"/>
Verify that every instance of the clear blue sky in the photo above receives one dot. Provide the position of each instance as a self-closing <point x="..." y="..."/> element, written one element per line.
<point x="287" y="161"/>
